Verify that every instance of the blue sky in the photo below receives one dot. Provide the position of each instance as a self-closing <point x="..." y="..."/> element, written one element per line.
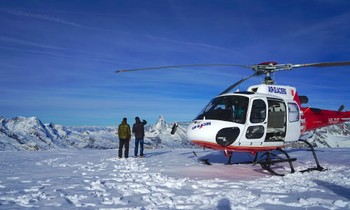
<point x="57" y="58"/>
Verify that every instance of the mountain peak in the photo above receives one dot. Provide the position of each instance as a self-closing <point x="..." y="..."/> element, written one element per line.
<point x="161" y="123"/>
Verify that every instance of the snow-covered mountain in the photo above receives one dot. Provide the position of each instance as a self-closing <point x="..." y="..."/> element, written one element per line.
<point x="21" y="133"/>
<point x="332" y="136"/>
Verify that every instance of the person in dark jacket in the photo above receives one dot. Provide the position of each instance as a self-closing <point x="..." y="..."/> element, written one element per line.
<point x="124" y="135"/>
<point x="139" y="131"/>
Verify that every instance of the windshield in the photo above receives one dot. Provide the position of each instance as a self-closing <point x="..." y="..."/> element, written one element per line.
<point x="226" y="108"/>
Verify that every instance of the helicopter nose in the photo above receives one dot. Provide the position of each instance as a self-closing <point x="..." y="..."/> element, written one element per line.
<point x="227" y="136"/>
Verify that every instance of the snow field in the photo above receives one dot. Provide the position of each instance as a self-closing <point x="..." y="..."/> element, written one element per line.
<point x="166" y="179"/>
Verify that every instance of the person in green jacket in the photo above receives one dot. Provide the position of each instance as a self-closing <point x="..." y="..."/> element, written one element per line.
<point x="124" y="135"/>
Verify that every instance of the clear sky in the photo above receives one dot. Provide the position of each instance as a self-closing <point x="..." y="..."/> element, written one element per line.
<point x="57" y="58"/>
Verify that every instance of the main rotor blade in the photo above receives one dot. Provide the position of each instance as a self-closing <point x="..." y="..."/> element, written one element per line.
<point x="239" y="82"/>
<point x="178" y="66"/>
<point x="323" y="64"/>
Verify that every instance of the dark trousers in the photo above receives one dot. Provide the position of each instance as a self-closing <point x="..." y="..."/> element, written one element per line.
<point x="122" y="143"/>
<point x="137" y="142"/>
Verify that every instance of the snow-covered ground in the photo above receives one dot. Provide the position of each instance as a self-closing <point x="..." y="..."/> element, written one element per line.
<point x="77" y="167"/>
<point x="167" y="179"/>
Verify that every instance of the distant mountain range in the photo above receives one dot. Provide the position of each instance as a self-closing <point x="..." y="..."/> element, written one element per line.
<point x="21" y="133"/>
<point x="29" y="133"/>
<point x="332" y="136"/>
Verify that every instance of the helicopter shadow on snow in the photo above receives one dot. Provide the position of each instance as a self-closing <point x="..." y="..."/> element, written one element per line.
<point x="238" y="158"/>
<point x="218" y="157"/>
<point x="153" y="154"/>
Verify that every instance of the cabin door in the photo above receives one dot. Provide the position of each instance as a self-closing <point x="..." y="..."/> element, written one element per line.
<point x="276" y="120"/>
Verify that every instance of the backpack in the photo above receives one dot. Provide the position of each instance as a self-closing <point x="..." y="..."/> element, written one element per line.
<point x="124" y="131"/>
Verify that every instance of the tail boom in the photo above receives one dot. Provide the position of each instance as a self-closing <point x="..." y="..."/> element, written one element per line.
<point x="318" y="118"/>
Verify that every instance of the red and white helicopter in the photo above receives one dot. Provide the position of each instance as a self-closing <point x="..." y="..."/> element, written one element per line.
<point x="262" y="120"/>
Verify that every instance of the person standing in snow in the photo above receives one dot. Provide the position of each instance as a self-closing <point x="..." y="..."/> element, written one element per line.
<point x="139" y="131"/>
<point x="124" y="135"/>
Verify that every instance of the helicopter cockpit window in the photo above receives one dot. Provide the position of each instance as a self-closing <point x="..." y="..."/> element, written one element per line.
<point x="226" y="108"/>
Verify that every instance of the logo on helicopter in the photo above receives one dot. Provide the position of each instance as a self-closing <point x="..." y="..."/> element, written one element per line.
<point x="278" y="90"/>
<point x="201" y="125"/>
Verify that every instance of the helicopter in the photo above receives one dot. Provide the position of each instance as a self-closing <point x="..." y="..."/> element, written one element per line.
<point x="262" y="121"/>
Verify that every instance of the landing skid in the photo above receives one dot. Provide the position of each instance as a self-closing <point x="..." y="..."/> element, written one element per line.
<point x="272" y="158"/>
<point x="204" y="161"/>
<point x="318" y="166"/>
<point x="271" y="161"/>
